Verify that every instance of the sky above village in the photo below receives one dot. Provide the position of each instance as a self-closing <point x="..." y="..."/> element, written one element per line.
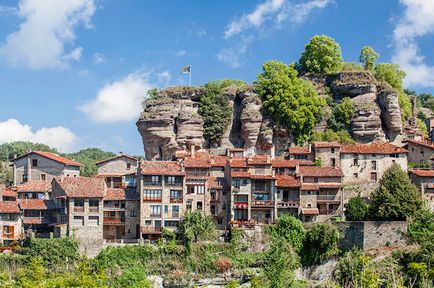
<point x="73" y="73"/>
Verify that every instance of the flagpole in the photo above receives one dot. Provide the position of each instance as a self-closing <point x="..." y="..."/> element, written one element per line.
<point x="189" y="77"/>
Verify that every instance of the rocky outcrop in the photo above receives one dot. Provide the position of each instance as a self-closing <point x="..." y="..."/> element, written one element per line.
<point x="171" y="122"/>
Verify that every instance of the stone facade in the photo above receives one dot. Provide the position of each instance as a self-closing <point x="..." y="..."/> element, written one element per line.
<point x="121" y="164"/>
<point x="424" y="179"/>
<point x="11" y="227"/>
<point x="420" y="153"/>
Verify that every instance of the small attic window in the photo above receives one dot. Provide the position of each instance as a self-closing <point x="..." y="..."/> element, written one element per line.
<point x="34" y="162"/>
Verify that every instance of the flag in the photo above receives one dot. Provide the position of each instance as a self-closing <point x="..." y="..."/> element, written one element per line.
<point x="186" y="69"/>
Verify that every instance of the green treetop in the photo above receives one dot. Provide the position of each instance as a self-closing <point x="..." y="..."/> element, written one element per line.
<point x="368" y="57"/>
<point x="321" y="55"/>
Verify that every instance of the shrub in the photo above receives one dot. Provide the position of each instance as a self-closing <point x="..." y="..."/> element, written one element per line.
<point x="55" y="253"/>
<point x="196" y="226"/>
<point x="321" y="55"/>
<point x="342" y="114"/>
<point x="290" y="229"/>
<point x="134" y="277"/>
<point x="356" y="209"/>
<point x="329" y="135"/>
<point x="396" y="198"/>
<point x="321" y="243"/>
<point x="289" y="100"/>
<point x="368" y="57"/>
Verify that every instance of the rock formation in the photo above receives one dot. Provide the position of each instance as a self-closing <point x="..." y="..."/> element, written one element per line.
<point x="171" y="122"/>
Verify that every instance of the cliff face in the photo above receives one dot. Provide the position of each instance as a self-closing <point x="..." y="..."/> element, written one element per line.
<point x="170" y="122"/>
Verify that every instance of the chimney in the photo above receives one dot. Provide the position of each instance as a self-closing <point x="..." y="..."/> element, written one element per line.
<point x="193" y="150"/>
<point x="309" y="147"/>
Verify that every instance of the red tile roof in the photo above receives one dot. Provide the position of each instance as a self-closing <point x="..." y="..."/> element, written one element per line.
<point x="9" y="207"/>
<point x="299" y="150"/>
<point x="120" y="194"/>
<point x="35" y="186"/>
<point x="373" y="148"/>
<point x="330" y="185"/>
<point x="197" y="162"/>
<point x="323" y="144"/>
<point x="238" y="174"/>
<point x="110" y="175"/>
<point x="219" y="161"/>
<point x="309" y="211"/>
<point x="264" y="177"/>
<point x="161" y="168"/>
<point x="422" y="172"/>
<point x="82" y="187"/>
<point x="314" y="171"/>
<point x="259" y="160"/>
<point x="426" y="144"/>
<point x="9" y="192"/>
<point x="116" y="157"/>
<point x="36" y="204"/>
<point x="309" y="186"/>
<point x="239" y="162"/>
<point x="286" y="181"/>
<point x="280" y="162"/>
<point x="54" y="157"/>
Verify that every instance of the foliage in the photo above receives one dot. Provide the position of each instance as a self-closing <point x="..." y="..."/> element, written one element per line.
<point x="126" y="256"/>
<point x="279" y="263"/>
<point x="88" y="157"/>
<point x="355" y="270"/>
<point x="329" y="135"/>
<point x="196" y="226"/>
<point x="422" y="127"/>
<point x="368" y="57"/>
<point x="321" y="243"/>
<point x="405" y="105"/>
<point x="223" y="264"/>
<point x="215" y="109"/>
<point x="356" y="209"/>
<point x="421" y="229"/>
<point x="318" y="162"/>
<point x="17" y="148"/>
<point x="412" y="165"/>
<point x="351" y="66"/>
<point x="390" y="73"/>
<point x="151" y="95"/>
<point x="421" y="115"/>
<point x="396" y="198"/>
<point x="134" y="277"/>
<point x="6" y="174"/>
<point x="291" y="101"/>
<point x="291" y="229"/>
<point x="321" y="55"/>
<point x="429" y="104"/>
<point x="342" y="114"/>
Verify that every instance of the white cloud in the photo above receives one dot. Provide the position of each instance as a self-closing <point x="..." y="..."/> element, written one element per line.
<point x="232" y="56"/>
<point x="58" y="137"/>
<point x="181" y="53"/>
<point x="164" y="78"/>
<point x="47" y="27"/>
<point x="274" y="12"/>
<point x="98" y="58"/>
<point x="120" y="101"/>
<point x="417" y="21"/>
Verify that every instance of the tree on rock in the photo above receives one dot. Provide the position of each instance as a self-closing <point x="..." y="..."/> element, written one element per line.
<point x="291" y="101"/>
<point x="321" y="243"/>
<point x="368" y="57"/>
<point x="356" y="209"/>
<point x="396" y="198"/>
<point x="321" y="55"/>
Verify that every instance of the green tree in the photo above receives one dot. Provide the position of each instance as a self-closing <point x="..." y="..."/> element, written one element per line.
<point x="368" y="57"/>
<point x="329" y="135"/>
<point x="390" y="73"/>
<point x="321" y="55"/>
<point x="397" y="197"/>
<point x="321" y="243"/>
<point x="196" y="226"/>
<point x="291" y="229"/>
<point x="291" y="101"/>
<point x="17" y="148"/>
<point x="342" y="114"/>
<point x="133" y="277"/>
<point x="421" y="115"/>
<point x="356" y="209"/>
<point x="421" y="229"/>
<point x="215" y="109"/>
<point x="88" y="157"/>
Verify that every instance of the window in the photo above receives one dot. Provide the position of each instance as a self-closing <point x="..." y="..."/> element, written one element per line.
<point x="245" y="182"/>
<point x="374" y="176"/>
<point x="395" y="155"/>
<point x="219" y="221"/>
<point x="175" y="195"/>
<point x="93" y="220"/>
<point x="422" y="162"/>
<point x="171" y="180"/>
<point x="356" y="175"/>
<point x="374" y="165"/>
<point x="133" y="213"/>
<point x="356" y="161"/>
<point x="175" y="208"/>
<point x="148" y="222"/>
<point x="224" y="207"/>
<point x="155" y="210"/>
<point x="43" y="177"/>
<point x="189" y="205"/>
<point x="171" y="223"/>
<point x="333" y="162"/>
<point x="24" y="178"/>
<point x="78" y="202"/>
<point x="155" y="180"/>
<point x="93" y="203"/>
<point x="34" y="162"/>
<point x="199" y="205"/>
<point x="236" y="183"/>
<point x="78" y="221"/>
<point x="151" y="195"/>
<point x="240" y="214"/>
<point x="166" y="209"/>
<point x="213" y="210"/>
<point x="128" y="166"/>
<point x="333" y="149"/>
<point x="8" y="231"/>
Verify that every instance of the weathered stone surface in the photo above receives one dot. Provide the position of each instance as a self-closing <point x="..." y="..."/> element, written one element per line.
<point x="390" y="112"/>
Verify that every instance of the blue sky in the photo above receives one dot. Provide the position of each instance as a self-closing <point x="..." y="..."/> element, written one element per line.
<point x="73" y="72"/>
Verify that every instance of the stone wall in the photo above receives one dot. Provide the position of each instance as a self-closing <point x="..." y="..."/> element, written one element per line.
<point x="369" y="235"/>
<point x="118" y="165"/>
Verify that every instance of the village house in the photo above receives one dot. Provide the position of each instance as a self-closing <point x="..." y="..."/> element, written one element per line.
<point x="118" y="165"/>
<point x="424" y="179"/>
<point x="10" y="222"/>
<point x="40" y="165"/>
<point x="420" y="152"/>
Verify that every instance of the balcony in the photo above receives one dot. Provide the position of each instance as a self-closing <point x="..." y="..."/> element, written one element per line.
<point x="288" y="203"/>
<point x="241" y="205"/>
<point x="38" y="220"/>
<point x="324" y="211"/>
<point x="151" y="230"/>
<point x="147" y="199"/>
<point x="262" y="203"/>
<point x="175" y="214"/>
<point x="114" y="220"/>
<point x="155" y="215"/>
<point x="328" y="198"/>
<point x="175" y="200"/>
<point x="197" y="174"/>
<point x="114" y="207"/>
<point x="8" y="235"/>
<point x="61" y="210"/>
<point x="151" y="183"/>
<point x="94" y="209"/>
<point x="174" y="184"/>
<point x="78" y="208"/>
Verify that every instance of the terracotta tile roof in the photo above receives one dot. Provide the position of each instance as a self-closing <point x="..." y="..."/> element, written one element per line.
<point x="299" y="150"/>
<point x="52" y="156"/>
<point x="196" y="162"/>
<point x="309" y="186"/>
<point x="287" y="181"/>
<point x="103" y="175"/>
<point x="35" y="186"/>
<point x="280" y="162"/>
<point x="9" y="192"/>
<point x="219" y="161"/>
<point x="213" y="183"/>
<point x="422" y="172"/>
<point x="239" y="162"/>
<point x="259" y="160"/>
<point x="9" y="207"/>
<point x="82" y="187"/>
<point x="121" y="194"/>
<point x="426" y="144"/>
<point x="373" y="148"/>
<point x="236" y="149"/>
<point x="314" y="171"/>
<point x="36" y="204"/>
<point x="264" y="177"/>
<point x="27" y="220"/>
<point x="161" y="168"/>
<point x="238" y="174"/>
<point x="323" y="144"/>
<point x="116" y="157"/>
<point x="330" y="185"/>
<point x="309" y="211"/>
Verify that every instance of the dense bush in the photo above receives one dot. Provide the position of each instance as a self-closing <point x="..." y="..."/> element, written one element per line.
<point x="17" y="148"/>
<point x="291" y="101"/>
<point x="321" y="243"/>
<point x="329" y="135"/>
<point x="342" y="114"/>
<point x="290" y="229"/>
<point x="321" y="55"/>
<point x="356" y="209"/>
<point x="396" y="198"/>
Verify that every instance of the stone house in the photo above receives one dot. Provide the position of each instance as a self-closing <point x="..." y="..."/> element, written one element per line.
<point x="79" y="203"/>
<point x="197" y="169"/>
<point x="424" y="179"/>
<point x="219" y="191"/>
<point x="39" y="165"/>
<point x="162" y="189"/>
<point x="420" y="152"/>
<point x="301" y="153"/>
<point x="328" y="153"/>
<point x="121" y="164"/>
<point x="8" y="194"/>
<point x="10" y="222"/>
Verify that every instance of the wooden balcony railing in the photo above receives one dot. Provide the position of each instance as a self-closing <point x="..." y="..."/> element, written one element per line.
<point x="241" y="205"/>
<point x="328" y="198"/>
<point x="151" y="230"/>
<point x="288" y="203"/>
<point x="156" y="215"/>
<point x="94" y="209"/>
<point x="78" y="208"/>
<point x="150" y="183"/>
<point x="147" y="199"/>
<point x="263" y="203"/>
<point x="175" y="200"/>
<point x="114" y="220"/>
<point x="174" y="183"/>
